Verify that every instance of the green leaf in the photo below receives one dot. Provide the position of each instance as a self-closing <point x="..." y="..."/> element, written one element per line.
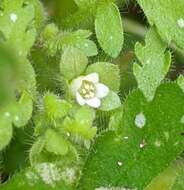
<point x="81" y="126"/>
<point x="55" y="40"/>
<point x="8" y="75"/>
<point x="167" y="178"/>
<point x="40" y="16"/>
<point x="73" y="63"/>
<point x="9" y="5"/>
<point x="26" y="41"/>
<point x="36" y="150"/>
<point x="50" y="31"/>
<point x="44" y="176"/>
<point x="109" y="74"/>
<point x="180" y="82"/>
<point x="6" y="130"/>
<point x="14" y="24"/>
<point x="81" y="34"/>
<point x="27" y="78"/>
<point x="85" y="3"/>
<point x="179" y="182"/>
<point x="154" y="64"/>
<point x="79" y="40"/>
<point x="55" y="143"/>
<point x="148" y="139"/>
<point x="110" y="102"/>
<point x="109" y="30"/>
<point x="88" y="47"/>
<point x="55" y="108"/>
<point x="24" y="109"/>
<point x="85" y="115"/>
<point x="167" y="16"/>
<point x="81" y="132"/>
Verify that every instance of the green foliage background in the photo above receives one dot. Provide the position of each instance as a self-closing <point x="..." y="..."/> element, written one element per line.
<point x="135" y="139"/>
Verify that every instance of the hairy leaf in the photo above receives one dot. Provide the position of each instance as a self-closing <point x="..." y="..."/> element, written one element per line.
<point x="148" y="139"/>
<point x="24" y="109"/>
<point x="73" y="63"/>
<point x="54" y="107"/>
<point x="15" y="23"/>
<point x="168" y="17"/>
<point x="109" y="30"/>
<point x="55" y="143"/>
<point x="154" y="64"/>
<point x="81" y="126"/>
<point x="55" y="40"/>
<point x="110" y="102"/>
<point x="6" y="130"/>
<point x="108" y="72"/>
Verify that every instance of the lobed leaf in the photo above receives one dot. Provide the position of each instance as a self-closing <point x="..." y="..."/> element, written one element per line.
<point x="148" y="139"/>
<point x="154" y="64"/>
<point x="168" y="17"/>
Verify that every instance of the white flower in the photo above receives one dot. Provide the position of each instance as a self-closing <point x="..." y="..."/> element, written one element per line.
<point x="88" y="90"/>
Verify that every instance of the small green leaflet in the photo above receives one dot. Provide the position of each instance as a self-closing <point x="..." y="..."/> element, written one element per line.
<point x="155" y="63"/>
<point x="6" y="130"/>
<point x="81" y="126"/>
<point x="17" y="113"/>
<point x="55" y="143"/>
<point x="36" y="150"/>
<point x="168" y="17"/>
<point x="79" y="40"/>
<point x="55" y="41"/>
<point x="73" y="63"/>
<point x="111" y="102"/>
<point x="109" y="74"/>
<point x="23" y="111"/>
<point x="14" y="23"/>
<point x="40" y="16"/>
<point x="109" y="29"/>
<point x="55" y="108"/>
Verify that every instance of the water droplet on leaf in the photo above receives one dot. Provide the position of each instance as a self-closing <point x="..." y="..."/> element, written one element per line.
<point x="140" y="120"/>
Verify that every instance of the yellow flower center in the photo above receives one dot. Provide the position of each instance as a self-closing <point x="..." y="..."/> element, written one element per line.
<point x="87" y="89"/>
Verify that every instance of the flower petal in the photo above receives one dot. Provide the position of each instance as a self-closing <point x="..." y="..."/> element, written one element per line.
<point x="80" y="99"/>
<point x="92" y="77"/>
<point x="101" y="90"/>
<point x="75" y="85"/>
<point x="94" y="102"/>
